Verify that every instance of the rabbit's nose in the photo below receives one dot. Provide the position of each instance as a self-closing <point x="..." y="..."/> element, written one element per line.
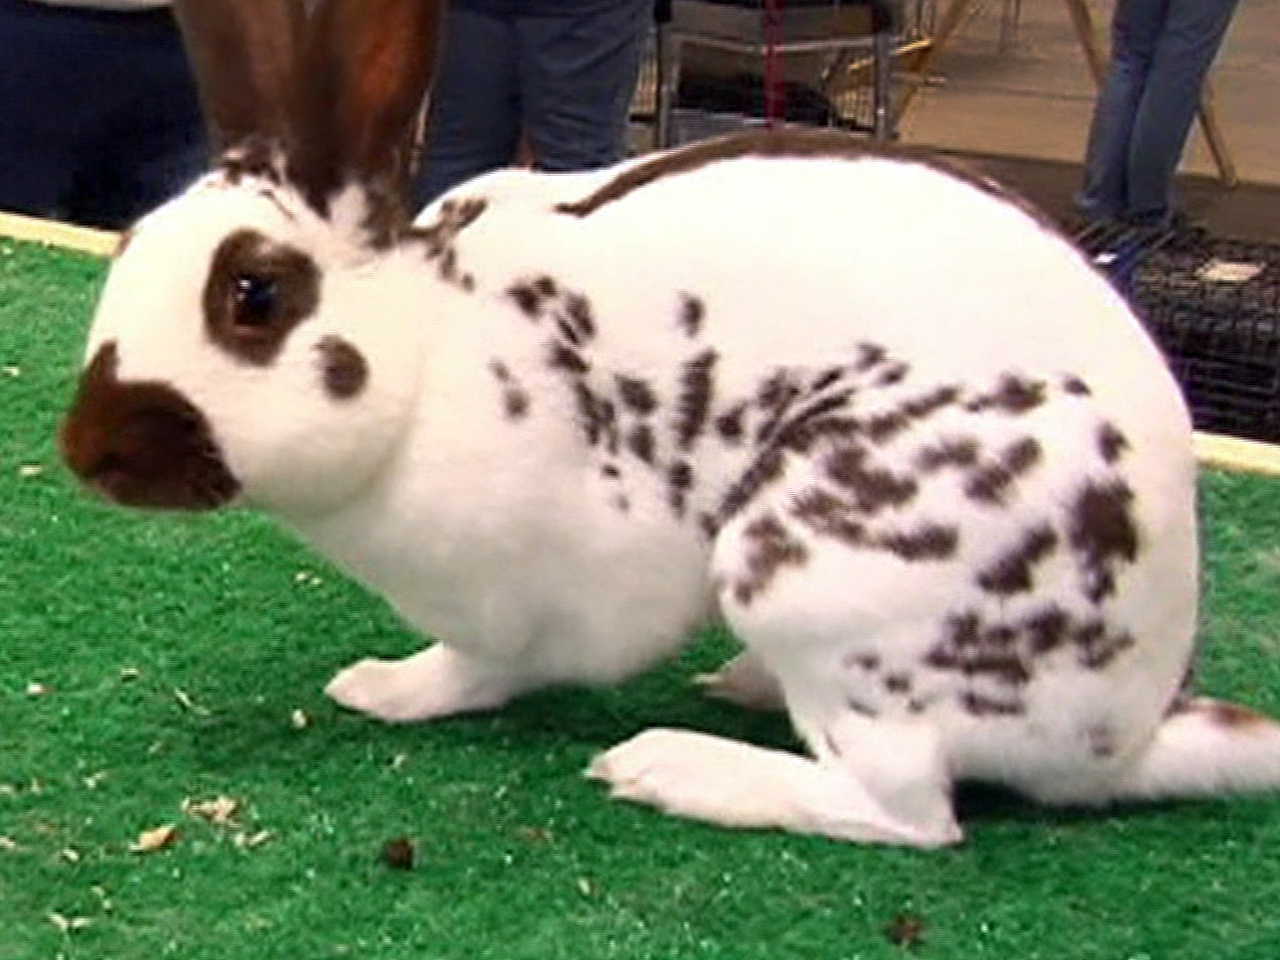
<point x="141" y="443"/>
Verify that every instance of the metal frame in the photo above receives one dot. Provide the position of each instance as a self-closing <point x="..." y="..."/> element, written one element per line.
<point x="740" y="29"/>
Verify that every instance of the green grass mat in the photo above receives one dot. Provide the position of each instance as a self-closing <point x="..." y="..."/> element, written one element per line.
<point x="171" y="655"/>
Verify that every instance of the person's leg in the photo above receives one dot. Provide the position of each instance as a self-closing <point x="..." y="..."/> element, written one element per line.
<point x="1135" y="29"/>
<point x="474" y="121"/>
<point x="154" y="143"/>
<point x="1190" y="40"/>
<point x="578" y="74"/>
<point x="48" y="93"/>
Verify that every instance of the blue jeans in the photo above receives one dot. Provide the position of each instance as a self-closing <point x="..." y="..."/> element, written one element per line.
<point x="99" y="116"/>
<point x="562" y="80"/>
<point x="1161" y="51"/>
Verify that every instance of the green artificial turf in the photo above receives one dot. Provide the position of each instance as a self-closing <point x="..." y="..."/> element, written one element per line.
<point x="173" y="652"/>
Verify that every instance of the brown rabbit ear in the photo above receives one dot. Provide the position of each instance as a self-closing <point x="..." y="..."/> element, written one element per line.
<point x="244" y="54"/>
<point x="366" y="71"/>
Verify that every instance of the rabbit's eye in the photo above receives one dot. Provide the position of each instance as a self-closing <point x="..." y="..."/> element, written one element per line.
<point x="255" y="298"/>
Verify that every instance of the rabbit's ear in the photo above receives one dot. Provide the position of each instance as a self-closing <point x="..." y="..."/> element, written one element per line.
<point x="244" y="54"/>
<point x="365" y="74"/>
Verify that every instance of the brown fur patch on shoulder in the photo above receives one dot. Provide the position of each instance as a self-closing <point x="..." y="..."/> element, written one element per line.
<point x="439" y="238"/>
<point x="769" y="546"/>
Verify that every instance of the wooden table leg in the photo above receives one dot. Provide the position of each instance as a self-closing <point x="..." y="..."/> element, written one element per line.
<point x="1215" y="137"/>
<point x="1087" y="34"/>
<point x="950" y="21"/>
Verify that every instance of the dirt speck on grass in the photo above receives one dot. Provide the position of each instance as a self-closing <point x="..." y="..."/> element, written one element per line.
<point x="905" y="930"/>
<point x="398" y="853"/>
<point x="531" y="834"/>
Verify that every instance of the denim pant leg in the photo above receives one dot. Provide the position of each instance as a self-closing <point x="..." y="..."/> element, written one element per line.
<point x="473" y="125"/>
<point x="1191" y="38"/>
<point x="154" y="142"/>
<point x="99" y="117"/>
<point x="578" y="73"/>
<point x="1135" y="31"/>
<point x="52" y="85"/>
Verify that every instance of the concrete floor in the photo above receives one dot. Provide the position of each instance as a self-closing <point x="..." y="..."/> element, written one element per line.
<point x="1024" y="110"/>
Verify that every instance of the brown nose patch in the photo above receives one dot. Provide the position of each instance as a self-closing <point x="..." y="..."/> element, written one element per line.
<point x="141" y="443"/>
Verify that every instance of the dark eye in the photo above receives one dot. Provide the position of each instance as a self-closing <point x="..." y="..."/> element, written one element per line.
<point x="255" y="297"/>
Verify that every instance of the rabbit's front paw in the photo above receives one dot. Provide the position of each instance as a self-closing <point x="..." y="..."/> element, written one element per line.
<point x="436" y="682"/>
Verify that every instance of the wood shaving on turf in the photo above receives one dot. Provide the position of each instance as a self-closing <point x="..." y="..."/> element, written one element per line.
<point x="219" y="810"/>
<point x="158" y="838"/>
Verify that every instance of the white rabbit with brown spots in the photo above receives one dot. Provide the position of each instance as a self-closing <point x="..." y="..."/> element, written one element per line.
<point x="875" y="414"/>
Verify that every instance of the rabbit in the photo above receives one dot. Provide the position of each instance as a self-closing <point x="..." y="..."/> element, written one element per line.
<point x="870" y="411"/>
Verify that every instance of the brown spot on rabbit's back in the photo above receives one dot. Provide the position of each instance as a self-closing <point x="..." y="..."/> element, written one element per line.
<point x="526" y="297"/>
<point x="1013" y="395"/>
<point x="636" y="394"/>
<point x="1075" y="386"/>
<point x="697" y="390"/>
<point x="989" y="481"/>
<point x="680" y="478"/>
<point x="1103" y="533"/>
<point x="515" y="399"/>
<point x="1111" y="442"/>
<point x="1012" y="571"/>
<point x="692" y="312"/>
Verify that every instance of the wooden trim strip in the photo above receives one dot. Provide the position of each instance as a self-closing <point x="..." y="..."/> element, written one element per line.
<point x="1236" y="455"/>
<point x="101" y="243"/>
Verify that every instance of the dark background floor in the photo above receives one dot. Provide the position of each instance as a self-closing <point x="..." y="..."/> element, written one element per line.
<point x="1248" y="211"/>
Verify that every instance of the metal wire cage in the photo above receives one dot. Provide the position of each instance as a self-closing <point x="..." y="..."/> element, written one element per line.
<point x="718" y="65"/>
<point x="1213" y="305"/>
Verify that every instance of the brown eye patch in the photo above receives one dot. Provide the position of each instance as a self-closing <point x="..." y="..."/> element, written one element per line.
<point x="256" y="293"/>
<point x="344" y="368"/>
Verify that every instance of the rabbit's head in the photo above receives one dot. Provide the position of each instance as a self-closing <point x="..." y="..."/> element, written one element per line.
<point x="252" y="337"/>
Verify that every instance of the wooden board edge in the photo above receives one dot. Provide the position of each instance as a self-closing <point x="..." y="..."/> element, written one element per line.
<point x="1236" y="455"/>
<point x="100" y="243"/>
